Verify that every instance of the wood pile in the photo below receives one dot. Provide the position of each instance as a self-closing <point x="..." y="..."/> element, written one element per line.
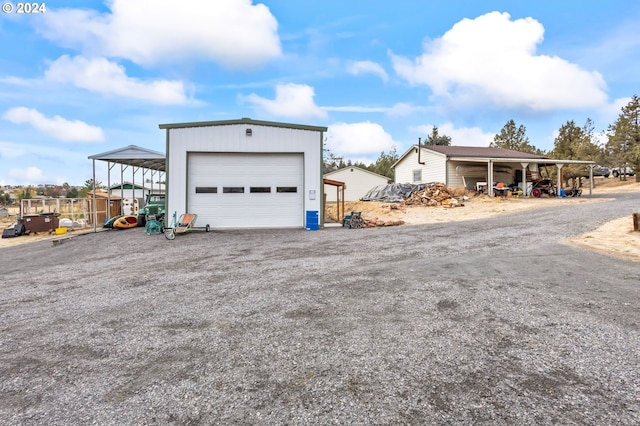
<point x="434" y="194"/>
<point x="375" y="222"/>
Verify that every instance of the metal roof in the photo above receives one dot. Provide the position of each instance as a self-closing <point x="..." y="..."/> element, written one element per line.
<point x="247" y="121"/>
<point x="475" y="151"/>
<point x="136" y="156"/>
<point x="485" y="154"/>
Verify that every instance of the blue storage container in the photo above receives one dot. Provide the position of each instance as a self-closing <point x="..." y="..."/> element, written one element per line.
<point x="312" y="220"/>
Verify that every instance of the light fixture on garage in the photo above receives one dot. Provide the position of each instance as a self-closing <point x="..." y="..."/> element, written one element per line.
<point x="249" y="132"/>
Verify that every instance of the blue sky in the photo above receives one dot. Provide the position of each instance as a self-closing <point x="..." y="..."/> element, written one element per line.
<point x="86" y="77"/>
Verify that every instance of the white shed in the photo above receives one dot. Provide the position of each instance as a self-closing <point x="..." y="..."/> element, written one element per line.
<point x="245" y="173"/>
<point x="357" y="182"/>
<point x="134" y="193"/>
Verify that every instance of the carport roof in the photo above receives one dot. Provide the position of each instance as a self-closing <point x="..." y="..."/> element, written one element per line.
<point x="136" y="156"/>
<point x="485" y="154"/>
<point x="476" y="151"/>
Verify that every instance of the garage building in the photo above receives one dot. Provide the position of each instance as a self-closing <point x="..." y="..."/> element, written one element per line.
<point x="245" y="173"/>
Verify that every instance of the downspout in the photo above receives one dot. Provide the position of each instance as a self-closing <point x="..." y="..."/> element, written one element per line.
<point x="419" y="151"/>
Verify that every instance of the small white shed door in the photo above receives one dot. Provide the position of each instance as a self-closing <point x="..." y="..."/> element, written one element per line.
<point x="233" y="190"/>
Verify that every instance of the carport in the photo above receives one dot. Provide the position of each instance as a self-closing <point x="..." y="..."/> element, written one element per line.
<point x="492" y="163"/>
<point x="151" y="164"/>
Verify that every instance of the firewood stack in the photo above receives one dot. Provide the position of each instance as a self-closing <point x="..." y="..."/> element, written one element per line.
<point x="375" y="222"/>
<point x="434" y="194"/>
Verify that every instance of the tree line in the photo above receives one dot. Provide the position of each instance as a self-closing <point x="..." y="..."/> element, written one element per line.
<point x="53" y="191"/>
<point x="618" y="146"/>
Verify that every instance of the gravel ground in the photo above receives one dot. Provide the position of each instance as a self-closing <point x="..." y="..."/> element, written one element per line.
<point x="479" y="322"/>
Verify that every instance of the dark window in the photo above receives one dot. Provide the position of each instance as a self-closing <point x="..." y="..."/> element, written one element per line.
<point x="233" y="190"/>
<point x="417" y="175"/>
<point x="287" y="189"/>
<point x="259" y="189"/>
<point x="206" y="189"/>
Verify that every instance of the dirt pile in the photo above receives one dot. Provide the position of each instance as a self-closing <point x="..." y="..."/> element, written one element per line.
<point x="434" y="194"/>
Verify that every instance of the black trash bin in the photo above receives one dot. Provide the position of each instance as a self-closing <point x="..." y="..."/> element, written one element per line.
<point x="13" y="231"/>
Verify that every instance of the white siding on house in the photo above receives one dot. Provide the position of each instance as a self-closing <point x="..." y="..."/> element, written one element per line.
<point x="232" y="138"/>
<point x="432" y="171"/>
<point x="358" y="183"/>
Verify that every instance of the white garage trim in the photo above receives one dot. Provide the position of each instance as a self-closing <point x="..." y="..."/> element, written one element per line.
<point x="246" y="190"/>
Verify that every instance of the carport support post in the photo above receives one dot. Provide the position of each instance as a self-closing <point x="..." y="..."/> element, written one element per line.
<point x="121" y="188"/>
<point x="133" y="188"/>
<point x="559" y="166"/>
<point x="95" y="206"/>
<point x="108" y="215"/>
<point x="591" y="166"/>
<point x="524" y="178"/>
<point x="490" y="178"/>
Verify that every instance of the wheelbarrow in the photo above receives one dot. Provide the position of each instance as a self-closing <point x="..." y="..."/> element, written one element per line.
<point x="186" y="222"/>
<point x="543" y="186"/>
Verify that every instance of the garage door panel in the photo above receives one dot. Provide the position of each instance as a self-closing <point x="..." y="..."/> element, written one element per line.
<point x="247" y="209"/>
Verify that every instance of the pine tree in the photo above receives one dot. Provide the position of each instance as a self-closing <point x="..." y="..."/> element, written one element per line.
<point x="514" y="138"/>
<point x="623" y="145"/>
<point x="436" y="139"/>
<point x="575" y="143"/>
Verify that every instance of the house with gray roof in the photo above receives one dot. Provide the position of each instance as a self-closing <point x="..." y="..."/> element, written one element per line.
<point x="471" y="167"/>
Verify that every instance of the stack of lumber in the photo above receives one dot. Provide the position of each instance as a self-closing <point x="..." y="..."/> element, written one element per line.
<point x="434" y="194"/>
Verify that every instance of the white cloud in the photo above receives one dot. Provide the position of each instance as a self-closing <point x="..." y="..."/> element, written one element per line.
<point x="463" y="136"/>
<point x="609" y="113"/>
<point x="492" y="59"/>
<point x="56" y="127"/>
<point x="292" y="100"/>
<point x="11" y="150"/>
<point x="27" y="175"/>
<point x="368" y="67"/>
<point x="355" y="108"/>
<point x="402" y="109"/>
<point x="362" y="139"/>
<point x="102" y="76"/>
<point x="234" y="33"/>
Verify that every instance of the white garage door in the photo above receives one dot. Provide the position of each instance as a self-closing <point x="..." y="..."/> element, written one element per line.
<point x="246" y="190"/>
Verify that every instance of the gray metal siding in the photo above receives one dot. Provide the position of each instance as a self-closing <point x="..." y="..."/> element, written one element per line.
<point x="233" y="139"/>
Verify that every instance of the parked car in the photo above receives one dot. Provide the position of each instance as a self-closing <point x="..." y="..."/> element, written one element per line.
<point x="616" y="172"/>
<point x="601" y="171"/>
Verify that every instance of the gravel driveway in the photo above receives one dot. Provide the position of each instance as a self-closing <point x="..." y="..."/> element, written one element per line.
<point x="479" y="322"/>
